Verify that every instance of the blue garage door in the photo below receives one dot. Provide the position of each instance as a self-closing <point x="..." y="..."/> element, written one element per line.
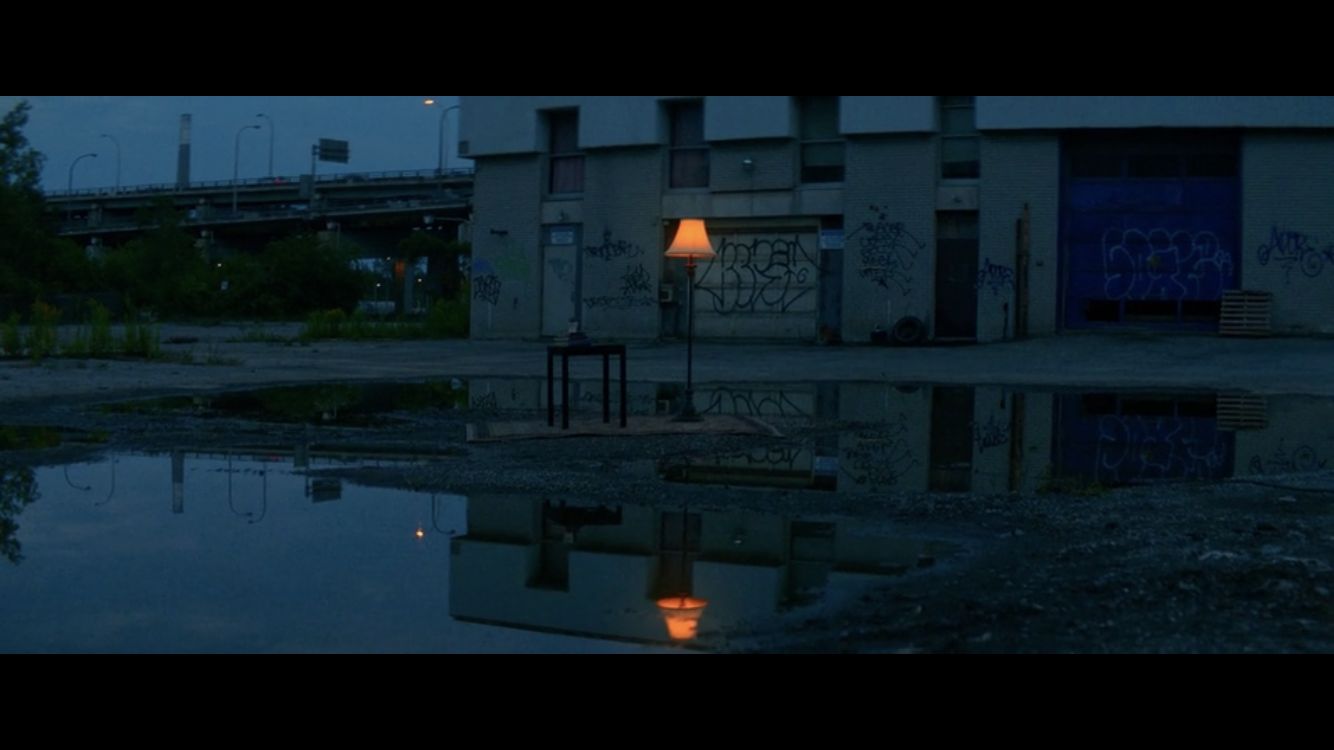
<point x="1149" y="230"/>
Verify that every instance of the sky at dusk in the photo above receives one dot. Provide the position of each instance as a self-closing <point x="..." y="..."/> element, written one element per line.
<point x="385" y="133"/>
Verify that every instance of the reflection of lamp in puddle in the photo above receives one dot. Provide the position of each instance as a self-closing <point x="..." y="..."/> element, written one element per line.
<point x="681" y="612"/>
<point x="420" y="533"/>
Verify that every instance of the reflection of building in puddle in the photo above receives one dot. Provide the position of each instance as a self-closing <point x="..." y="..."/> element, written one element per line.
<point x="994" y="440"/>
<point x="600" y="571"/>
<point x="247" y="473"/>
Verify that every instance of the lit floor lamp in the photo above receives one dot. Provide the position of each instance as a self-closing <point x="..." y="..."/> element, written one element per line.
<point x="691" y="242"/>
<point x="681" y="613"/>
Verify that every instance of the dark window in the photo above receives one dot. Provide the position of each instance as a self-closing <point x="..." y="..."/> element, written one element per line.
<point x="821" y="145"/>
<point x="1153" y="165"/>
<point x="1211" y="165"/>
<point x="959" y="143"/>
<point x="1102" y="310"/>
<point x="689" y="152"/>
<point x="566" y="161"/>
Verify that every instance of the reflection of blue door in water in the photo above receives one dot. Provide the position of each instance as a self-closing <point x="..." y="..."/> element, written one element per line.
<point x="1121" y="439"/>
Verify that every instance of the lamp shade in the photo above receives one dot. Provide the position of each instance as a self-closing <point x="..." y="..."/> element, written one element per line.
<point x="691" y="241"/>
<point x="682" y="613"/>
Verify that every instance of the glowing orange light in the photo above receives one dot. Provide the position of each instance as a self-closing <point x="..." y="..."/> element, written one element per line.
<point x="682" y="613"/>
<point x="691" y="241"/>
<point x="420" y="532"/>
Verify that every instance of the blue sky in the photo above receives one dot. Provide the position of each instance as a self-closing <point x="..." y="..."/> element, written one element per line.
<point x="386" y="133"/>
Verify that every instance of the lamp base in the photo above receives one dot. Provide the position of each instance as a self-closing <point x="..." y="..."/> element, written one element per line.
<point x="688" y="413"/>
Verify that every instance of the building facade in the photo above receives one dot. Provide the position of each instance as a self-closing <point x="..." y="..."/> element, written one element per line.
<point x="950" y="218"/>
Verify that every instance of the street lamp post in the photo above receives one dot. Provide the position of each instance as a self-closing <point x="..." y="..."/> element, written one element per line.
<point x="69" y="187"/>
<point x="269" y="120"/>
<point x="236" y="161"/>
<point x="116" y="143"/>
<point x="691" y="242"/>
<point x="440" y="160"/>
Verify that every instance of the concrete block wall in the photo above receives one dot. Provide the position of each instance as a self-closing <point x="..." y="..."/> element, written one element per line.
<point x="1018" y="170"/>
<point x="1287" y="235"/>
<point x="506" y="253"/>
<point x="889" y="232"/>
<point x="622" y="243"/>
<point x="773" y="165"/>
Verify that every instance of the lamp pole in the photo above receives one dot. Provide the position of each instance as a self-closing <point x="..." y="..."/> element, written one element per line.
<point x="269" y="120"/>
<point x="236" y="161"/>
<point x="116" y="143"/>
<point x="440" y="159"/>
<point x="70" y="186"/>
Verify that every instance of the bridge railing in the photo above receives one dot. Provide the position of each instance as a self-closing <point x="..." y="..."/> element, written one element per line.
<point x="282" y="181"/>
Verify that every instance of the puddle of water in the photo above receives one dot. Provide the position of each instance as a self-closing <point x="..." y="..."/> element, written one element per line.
<point x="992" y="439"/>
<point x="334" y="404"/>
<point x="194" y="552"/>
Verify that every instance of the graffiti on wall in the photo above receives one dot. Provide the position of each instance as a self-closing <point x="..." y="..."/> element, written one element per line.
<point x="635" y="291"/>
<point x="611" y="249"/>
<point x="1289" y="250"/>
<point x="1158" y="264"/>
<point x="1136" y="448"/>
<point x="879" y="457"/>
<point x="764" y="275"/>
<point x="996" y="278"/>
<point x="1284" y="461"/>
<point x="485" y="282"/>
<point x="888" y="252"/>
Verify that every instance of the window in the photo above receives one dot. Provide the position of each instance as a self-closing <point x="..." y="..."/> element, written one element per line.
<point x="959" y="142"/>
<point x="821" y="146"/>
<point x="566" y="167"/>
<point x="689" y="153"/>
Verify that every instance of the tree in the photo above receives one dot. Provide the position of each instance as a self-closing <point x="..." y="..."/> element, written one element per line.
<point x="20" y="164"/>
<point x="30" y="254"/>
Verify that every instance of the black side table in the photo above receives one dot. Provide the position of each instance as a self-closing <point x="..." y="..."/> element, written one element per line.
<point x="565" y="352"/>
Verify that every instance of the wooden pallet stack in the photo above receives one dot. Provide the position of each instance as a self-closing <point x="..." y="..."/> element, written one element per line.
<point x="1245" y="313"/>
<point x="1242" y="411"/>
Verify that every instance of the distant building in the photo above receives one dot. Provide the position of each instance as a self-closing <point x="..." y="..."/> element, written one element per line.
<point x="837" y="216"/>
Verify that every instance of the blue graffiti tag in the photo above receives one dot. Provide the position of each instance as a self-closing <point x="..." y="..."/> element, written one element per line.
<point x="1291" y="249"/>
<point x="996" y="278"/>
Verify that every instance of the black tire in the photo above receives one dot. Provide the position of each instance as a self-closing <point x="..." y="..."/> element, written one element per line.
<point x="909" y="331"/>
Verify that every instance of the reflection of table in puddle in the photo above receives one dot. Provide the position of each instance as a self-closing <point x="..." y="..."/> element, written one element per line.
<point x="565" y="352"/>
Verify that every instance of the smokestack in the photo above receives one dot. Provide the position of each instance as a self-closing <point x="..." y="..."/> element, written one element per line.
<point x="183" y="155"/>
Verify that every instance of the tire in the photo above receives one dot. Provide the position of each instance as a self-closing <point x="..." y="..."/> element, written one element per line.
<point x="909" y="331"/>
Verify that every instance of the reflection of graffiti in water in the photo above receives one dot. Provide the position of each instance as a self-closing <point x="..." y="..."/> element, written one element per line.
<point x="1160" y="264"/>
<point x="752" y="404"/>
<point x="992" y="434"/>
<point x="768" y="275"/>
<point x="1146" y="448"/>
<point x="879" y="457"/>
<point x="1282" y="461"/>
<point x="775" y="457"/>
<point x="486" y="403"/>
<point x="1291" y="249"/>
<point x="888" y="252"/>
